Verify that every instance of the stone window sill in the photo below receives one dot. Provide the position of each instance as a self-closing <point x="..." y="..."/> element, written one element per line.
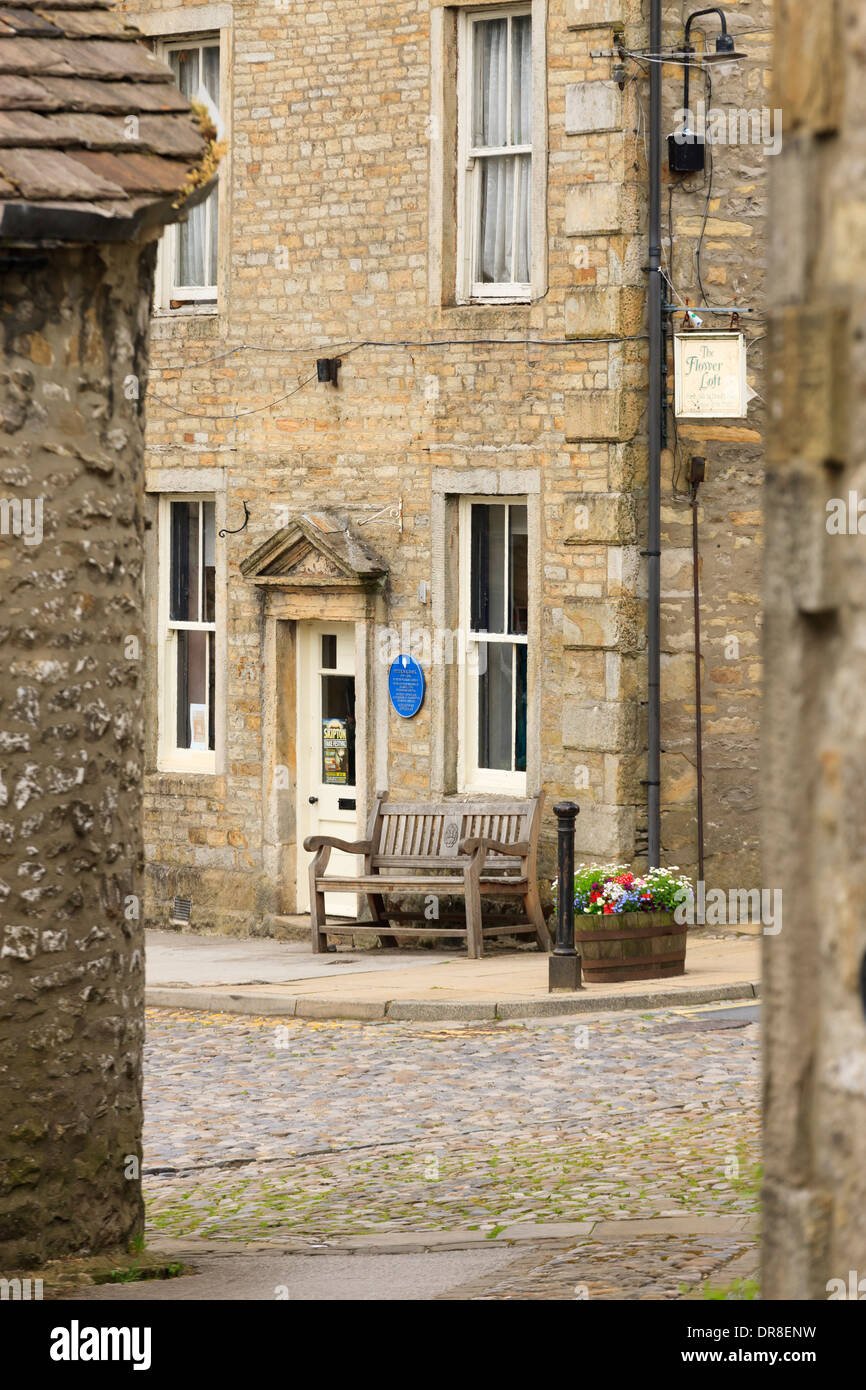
<point x="184" y="783"/>
<point x="487" y="315"/>
<point x="185" y="311"/>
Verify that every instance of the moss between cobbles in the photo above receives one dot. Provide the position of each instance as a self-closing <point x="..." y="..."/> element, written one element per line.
<point x="737" y="1291"/>
<point x="640" y="1177"/>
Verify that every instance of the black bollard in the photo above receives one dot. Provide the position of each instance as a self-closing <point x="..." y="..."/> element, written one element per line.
<point x="564" y="962"/>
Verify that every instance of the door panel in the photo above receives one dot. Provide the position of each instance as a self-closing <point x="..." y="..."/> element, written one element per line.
<point x="327" y="796"/>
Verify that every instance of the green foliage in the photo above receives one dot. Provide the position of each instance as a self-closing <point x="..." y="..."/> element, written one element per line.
<point x="135" y="1274"/>
<point x="737" y="1291"/>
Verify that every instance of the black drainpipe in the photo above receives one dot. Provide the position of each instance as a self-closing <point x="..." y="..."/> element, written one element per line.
<point x="697" y="470"/>
<point x="656" y="350"/>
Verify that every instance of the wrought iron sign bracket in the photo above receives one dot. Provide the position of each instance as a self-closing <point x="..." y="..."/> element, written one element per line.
<point x="394" y="512"/>
<point x="237" y="529"/>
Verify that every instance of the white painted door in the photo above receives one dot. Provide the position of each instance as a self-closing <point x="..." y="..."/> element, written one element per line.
<point x="326" y="753"/>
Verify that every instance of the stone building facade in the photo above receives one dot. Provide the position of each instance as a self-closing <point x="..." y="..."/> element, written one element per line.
<point x="81" y="202"/>
<point x="815" y="731"/>
<point x="477" y="390"/>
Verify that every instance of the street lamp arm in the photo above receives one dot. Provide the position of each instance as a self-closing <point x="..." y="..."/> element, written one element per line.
<point x="687" y="48"/>
<point x="696" y="14"/>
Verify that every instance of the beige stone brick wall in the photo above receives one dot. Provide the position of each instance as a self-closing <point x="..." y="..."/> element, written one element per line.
<point x="328" y="242"/>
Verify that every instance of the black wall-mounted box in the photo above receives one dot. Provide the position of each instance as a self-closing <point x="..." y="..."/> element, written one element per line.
<point x="686" y="153"/>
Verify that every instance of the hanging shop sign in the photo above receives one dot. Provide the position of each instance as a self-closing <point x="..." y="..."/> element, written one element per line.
<point x="406" y="686"/>
<point x="710" y="376"/>
<point x="335" y="752"/>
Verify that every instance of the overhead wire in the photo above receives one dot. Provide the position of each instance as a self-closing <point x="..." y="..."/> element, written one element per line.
<point x="346" y="349"/>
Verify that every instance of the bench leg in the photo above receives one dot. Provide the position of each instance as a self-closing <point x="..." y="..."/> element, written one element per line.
<point x="379" y="914"/>
<point x="474" y="935"/>
<point x="532" y="903"/>
<point x="317" y="917"/>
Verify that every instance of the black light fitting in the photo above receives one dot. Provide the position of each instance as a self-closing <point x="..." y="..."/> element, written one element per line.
<point x="725" y="51"/>
<point x="687" y="149"/>
<point x="696" y="470"/>
<point x="327" y="369"/>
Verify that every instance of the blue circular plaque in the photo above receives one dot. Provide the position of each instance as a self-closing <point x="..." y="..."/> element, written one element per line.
<point x="406" y="686"/>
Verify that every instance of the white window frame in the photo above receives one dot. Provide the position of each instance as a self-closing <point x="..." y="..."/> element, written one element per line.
<point x="470" y="159"/>
<point x="170" y="758"/>
<point x="203" y="298"/>
<point x="471" y="777"/>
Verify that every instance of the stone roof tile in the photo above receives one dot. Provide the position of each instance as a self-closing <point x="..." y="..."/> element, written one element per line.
<point x="72" y="74"/>
<point x="81" y="94"/>
<point x="135" y="173"/>
<point x="40" y="174"/>
<point x="168" y="135"/>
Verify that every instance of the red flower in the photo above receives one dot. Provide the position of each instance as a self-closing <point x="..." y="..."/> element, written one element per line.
<point x="608" y="908"/>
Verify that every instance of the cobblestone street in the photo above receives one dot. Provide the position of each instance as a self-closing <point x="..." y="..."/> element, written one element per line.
<point x="263" y="1130"/>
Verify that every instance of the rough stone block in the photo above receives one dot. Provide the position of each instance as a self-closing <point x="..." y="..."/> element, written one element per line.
<point x="792" y="181"/>
<point x="593" y="623"/>
<point x="611" y="415"/>
<point x="592" y="313"/>
<point x="807" y="80"/>
<point x="591" y="107"/>
<point x="604" y="833"/>
<point x="592" y="208"/>
<point x="679" y="781"/>
<point x="593" y="14"/>
<point x="624" y="775"/>
<point x="599" y="727"/>
<point x="676" y="572"/>
<point x="600" y="516"/>
<point x="599" y="623"/>
<point x="678" y="676"/>
<point x="603" y="313"/>
<point x="811" y="406"/>
<point x="812" y="570"/>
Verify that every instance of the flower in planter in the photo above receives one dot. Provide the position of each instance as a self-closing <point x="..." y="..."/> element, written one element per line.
<point x="613" y="889"/>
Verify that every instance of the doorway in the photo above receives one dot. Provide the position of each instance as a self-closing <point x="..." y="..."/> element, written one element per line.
<point x="326" y="753"/>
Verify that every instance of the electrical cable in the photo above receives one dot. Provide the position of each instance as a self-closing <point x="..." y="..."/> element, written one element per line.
<point x="355" y="347"/>
<point x="333" y="349"/>
<point x="709" y="149"/>
<point x="346" y="350"/>
<point x="233" y="415"/>
<point x="673" y="61"/>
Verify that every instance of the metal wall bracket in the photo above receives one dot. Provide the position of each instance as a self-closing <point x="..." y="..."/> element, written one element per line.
<point x="394" y="512"/>
<point x="237" y="529"/>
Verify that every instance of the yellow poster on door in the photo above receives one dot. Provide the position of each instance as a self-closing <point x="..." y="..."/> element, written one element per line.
<point x="335" y="752"/>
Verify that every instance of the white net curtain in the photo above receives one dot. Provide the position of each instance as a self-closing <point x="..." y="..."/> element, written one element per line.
<point x="197" y="73"/>
<point x="502" y="82"/>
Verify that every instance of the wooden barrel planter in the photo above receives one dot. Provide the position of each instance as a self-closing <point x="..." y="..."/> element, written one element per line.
<point x="631" y="946"/>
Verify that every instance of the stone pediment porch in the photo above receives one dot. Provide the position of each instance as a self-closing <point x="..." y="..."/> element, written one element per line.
<point x="316" y="551"/>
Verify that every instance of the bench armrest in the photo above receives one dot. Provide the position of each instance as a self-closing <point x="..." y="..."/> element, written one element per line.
<point x="480" y="844"/>
<point x="317" y="842"/>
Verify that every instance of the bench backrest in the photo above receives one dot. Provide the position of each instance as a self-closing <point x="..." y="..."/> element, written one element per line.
<point x="418" y="834"/>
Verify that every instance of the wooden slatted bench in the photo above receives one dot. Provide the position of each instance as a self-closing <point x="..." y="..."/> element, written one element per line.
<point x="474" y="849"/>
